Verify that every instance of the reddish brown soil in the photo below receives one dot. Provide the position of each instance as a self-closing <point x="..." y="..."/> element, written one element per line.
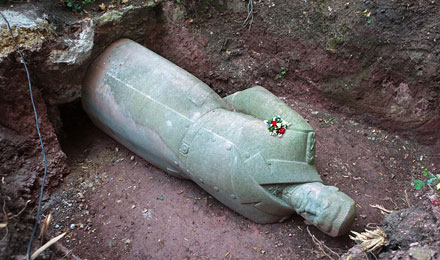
<point x="124" y="208"/>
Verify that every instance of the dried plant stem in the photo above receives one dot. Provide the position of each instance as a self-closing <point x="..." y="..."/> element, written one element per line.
<point x="371" y="240"/>
<point x="47" y="245"/>
<point x="383" y="210"/>
<point x="407" y="199"/>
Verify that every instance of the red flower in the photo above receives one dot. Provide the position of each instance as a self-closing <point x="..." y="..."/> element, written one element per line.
<point x="282" y="131"/>
<point x="274" y="123"/>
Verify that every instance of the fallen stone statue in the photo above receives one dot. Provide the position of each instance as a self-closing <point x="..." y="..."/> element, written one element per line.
<point x="176" y="122"/>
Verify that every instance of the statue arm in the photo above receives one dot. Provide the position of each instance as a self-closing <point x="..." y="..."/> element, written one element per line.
<point x="262" y="104"/>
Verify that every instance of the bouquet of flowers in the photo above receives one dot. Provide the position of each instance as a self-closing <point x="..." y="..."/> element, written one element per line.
<point x="277" y="126"/>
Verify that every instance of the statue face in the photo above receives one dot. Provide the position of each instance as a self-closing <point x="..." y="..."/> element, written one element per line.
<point x="325" y="207"/>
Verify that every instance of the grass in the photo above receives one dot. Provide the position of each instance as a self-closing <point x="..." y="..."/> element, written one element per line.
<point x="281" y="74"/>
<point x="430" y="180"/>
<point x="77" y="6"/>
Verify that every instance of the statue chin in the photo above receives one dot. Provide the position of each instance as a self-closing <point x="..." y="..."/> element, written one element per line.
<point x="330" y="210"/>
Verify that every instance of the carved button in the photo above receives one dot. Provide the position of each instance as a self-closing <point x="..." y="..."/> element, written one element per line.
<point x="184" y="148"/>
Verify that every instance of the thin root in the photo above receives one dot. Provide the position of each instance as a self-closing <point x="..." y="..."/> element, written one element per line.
<point x="250" y="17"/>
<point x="328" y="252"/>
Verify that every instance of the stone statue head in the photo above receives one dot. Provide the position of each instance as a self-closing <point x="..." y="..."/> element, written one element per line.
<point x="326" y="207"/>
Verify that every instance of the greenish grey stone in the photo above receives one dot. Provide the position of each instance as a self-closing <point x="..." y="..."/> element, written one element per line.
<point x="109" y="17"/>
<point x="179" y="124"/>
<point x="421" y="253"/>
<point x="152" y="3"/>
<point x="237" y="6"/>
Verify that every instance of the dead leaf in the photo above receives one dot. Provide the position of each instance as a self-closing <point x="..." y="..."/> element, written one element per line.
<point x="3" y="225"/>
<point x="102" y="7"/>
<point x="124" y="1"/>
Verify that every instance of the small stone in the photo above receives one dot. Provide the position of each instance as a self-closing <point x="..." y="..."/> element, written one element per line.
<point x="57" y="226"/>
<point x="133" y="206"/>
<point x="132" y="158"/>
<point x="72" y="226"/>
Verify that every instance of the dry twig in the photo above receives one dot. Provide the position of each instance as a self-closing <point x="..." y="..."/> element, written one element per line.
<point x="47" y="245"/>
<point x="383" y="210"/>
<point x="324" y="249"/>
<point x="407" y="199"/>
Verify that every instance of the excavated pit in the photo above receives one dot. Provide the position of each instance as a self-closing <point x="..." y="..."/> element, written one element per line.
<point x="376" y="122"/>
<point x="116" y="205"/>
